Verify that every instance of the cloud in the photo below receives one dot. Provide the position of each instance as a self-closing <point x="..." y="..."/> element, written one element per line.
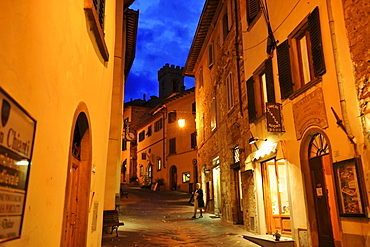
<point x="166" y="30"/>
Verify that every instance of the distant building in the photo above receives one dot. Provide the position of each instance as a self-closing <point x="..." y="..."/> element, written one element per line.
<point x="159" y="148"/>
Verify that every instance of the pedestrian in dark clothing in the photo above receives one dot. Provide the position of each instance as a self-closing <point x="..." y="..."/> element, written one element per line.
<point x="198" y="201"/>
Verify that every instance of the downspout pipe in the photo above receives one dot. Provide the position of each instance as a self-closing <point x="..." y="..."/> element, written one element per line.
<point x="343" y="103"/>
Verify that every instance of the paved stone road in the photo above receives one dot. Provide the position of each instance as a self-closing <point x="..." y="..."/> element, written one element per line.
<point x="163" y="218"/>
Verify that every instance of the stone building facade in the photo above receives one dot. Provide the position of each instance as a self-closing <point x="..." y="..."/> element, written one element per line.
<point x="215" y="60"/>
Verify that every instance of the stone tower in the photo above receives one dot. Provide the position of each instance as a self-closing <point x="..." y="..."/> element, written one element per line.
<point x="170" y="80"/>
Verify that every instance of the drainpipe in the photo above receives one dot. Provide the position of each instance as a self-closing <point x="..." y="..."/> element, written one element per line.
<point x="238" y="56"/>
<point x="343" y="103"/>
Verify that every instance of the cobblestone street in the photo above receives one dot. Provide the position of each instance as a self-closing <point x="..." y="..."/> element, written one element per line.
<point x="163" y="218"/>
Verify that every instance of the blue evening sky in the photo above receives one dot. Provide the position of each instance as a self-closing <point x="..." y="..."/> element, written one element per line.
<point x="165" y="33"/>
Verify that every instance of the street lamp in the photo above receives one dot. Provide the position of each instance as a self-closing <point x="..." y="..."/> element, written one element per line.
<point x="181" y="122"/>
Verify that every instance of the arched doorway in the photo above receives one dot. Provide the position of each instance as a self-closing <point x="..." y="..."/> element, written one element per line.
<point x="173" y="178"/>
<point x="316" y="180"/>
<point x="78" y="185"/>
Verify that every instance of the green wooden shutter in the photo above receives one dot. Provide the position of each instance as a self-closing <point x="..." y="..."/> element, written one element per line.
<point x="316" y="43"/>
<point x="285" y="75"/>
<point x="269" y="81"/>
<point x="251" y="100"/>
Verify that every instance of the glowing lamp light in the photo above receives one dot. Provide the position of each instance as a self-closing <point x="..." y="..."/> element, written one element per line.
<point x="22" y="163"/>
<point x="181" y="122"/>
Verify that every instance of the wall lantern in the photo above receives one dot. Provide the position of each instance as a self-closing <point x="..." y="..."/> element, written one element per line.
<point x="205" y="169"/>
<point x="254" y="139"/>
<point x="181" y="122"/>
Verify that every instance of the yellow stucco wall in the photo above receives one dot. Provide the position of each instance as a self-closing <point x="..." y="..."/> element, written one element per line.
<point x="49" y="64"/>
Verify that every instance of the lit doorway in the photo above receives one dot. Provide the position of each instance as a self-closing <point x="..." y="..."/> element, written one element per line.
<point x="216" y="187"/>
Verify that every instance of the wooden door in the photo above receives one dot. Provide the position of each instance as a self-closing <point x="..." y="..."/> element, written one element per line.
<point x="322" y="211"/>
<point x="239" y="213"/>
<point x="72" y="216"/>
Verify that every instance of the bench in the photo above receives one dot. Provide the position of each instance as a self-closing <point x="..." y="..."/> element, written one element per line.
<point x="110" y="219"/>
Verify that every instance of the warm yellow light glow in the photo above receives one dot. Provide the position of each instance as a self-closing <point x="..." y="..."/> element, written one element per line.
<point x="181" y="122"/>
<point x="22" y="163"/>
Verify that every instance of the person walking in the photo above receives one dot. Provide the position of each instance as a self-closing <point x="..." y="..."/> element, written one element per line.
<point x="198" y="201"/>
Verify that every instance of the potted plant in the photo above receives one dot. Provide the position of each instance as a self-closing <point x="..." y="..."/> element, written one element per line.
<point x="277" y="235"/>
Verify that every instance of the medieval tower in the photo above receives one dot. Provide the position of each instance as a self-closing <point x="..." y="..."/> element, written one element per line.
<point x="170" y="80"/>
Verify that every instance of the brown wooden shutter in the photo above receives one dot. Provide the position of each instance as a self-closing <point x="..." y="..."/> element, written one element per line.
<point x="269" y="81"/>
<point x="316" y="43"/>
<point x="285" y="76"/>
<point x="251" y="100"/>
<point x="253" y="9"/>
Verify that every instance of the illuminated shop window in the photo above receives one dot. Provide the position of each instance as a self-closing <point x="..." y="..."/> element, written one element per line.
<point x="276" y="196"/>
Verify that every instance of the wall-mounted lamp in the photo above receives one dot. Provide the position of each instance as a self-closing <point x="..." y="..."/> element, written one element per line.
<point x="181" y="122"/>
<point x="254" y="139"/>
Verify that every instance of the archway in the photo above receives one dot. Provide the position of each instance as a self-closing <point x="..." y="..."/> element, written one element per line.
<point x="78" y="185"/>
<point x="316" y="168"/>
<point x="173" y="178"/>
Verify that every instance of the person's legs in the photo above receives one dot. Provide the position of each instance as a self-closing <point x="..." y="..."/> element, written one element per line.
<point x="200" y="210"/>
<point x="195" y="208"/>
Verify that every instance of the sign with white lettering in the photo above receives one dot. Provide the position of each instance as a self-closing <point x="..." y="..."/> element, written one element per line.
<point x="17" y="131"/>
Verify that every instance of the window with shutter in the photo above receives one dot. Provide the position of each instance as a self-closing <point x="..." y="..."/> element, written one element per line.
<point x="251" y="101"/>
<point x="172" y="146"/>
<point x="253" y="9"/>
<point x="210" y="55"/>
<point x="301" y="58"/>
<point x="230" y="91"/>
<point x="260" y="90"/>
<point x="214" y="114"/>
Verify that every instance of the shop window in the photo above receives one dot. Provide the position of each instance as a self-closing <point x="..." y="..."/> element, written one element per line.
<point x="173" y="146"/>
<point x="158" y="125"/>
<point x="276" y="196"/>
<point x="260" y="90"/>
<point x="300" y="58"/>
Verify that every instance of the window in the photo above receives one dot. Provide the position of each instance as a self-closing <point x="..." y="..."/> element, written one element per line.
<point x="172" y="117"/>
<point x="141" y="135"/>
<point x="276" y="196"/>
<point x="141" y="170"/>
<point x="214" y="114"/>
<point x="95" y="10"/>
<point x="193" y="140"/>
<point x="159" y="164"/>
<point x="124" y="145"/>
<point x="210" y="55"/>
<point x="173" y="146"/>
<point x="230" y="91"/>
<point x="143" y="156"/>
<point x="149" y="132"/>
<point x="193" y="107"/>
<point x="236" y="154"/>
<point x="224" y="27"/>
<point x="158" y="125"/>
<point x="300" y="58"/>
<point x="200" y="78"/>
<point x="260" y="89"/>
<point x="253" y="9"/>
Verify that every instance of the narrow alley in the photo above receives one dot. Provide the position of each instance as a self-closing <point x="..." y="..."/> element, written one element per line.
<point x="163" y="218"/>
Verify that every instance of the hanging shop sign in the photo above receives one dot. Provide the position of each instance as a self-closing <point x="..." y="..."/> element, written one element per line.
<point x="310" y="111"/>
<point x="17" y="132"/>
<point x="273" y="117"/>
